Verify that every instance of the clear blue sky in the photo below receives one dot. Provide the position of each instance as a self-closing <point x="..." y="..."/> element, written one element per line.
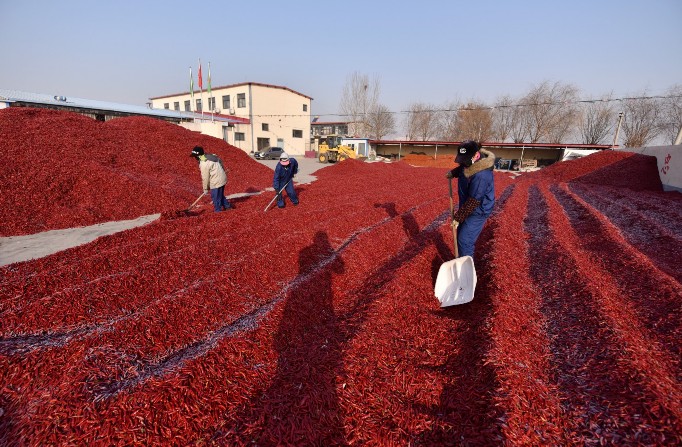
<point x="428" y="51"/>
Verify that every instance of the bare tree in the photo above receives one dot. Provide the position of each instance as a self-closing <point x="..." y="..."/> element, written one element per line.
<point x="641" y="121"/>
<point x="519" y="123"/>
<point x="381" y="122"/>
<point x="360" y="98"/>
<point x="549" y="111"/>
<point x="449" y="122"/>
<point x="596" y="120"/>
<point x="671" y="113"/>
<point x="422" y="122"/>
<point x="503" y="116"/>
<point x="475" y="122"/>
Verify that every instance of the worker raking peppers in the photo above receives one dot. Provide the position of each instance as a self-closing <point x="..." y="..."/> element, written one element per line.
<point x="213" y="177"/>
<point x="285" y="171"/>
<point x="476" y="191"/>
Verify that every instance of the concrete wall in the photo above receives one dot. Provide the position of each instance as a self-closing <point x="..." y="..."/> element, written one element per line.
<point x="213" y="129"/>
<point x="549" y="155"/>
<point x="669" y="160"/>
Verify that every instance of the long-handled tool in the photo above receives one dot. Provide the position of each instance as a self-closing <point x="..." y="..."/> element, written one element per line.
<point x="195" y="202"/>
<point x="273" y="199"/>
<point x="456" y="281"/>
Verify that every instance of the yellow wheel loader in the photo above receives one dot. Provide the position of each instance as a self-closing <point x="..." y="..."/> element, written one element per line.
<point x="331" y="150"/>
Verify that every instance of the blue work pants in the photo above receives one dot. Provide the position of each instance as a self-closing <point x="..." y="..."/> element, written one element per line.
<point x="290" y="192"/>
<point x="467" y="233"/>
<point x="220" y="202"/>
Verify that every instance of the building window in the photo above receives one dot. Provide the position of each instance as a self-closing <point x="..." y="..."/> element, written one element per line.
<point x="298" y="133"/>
<point x="166" y="106"/>
<point x="187" y="106"/>
<point x="211" y="103"/>
<point x="176" y="105"/>
<point x="265" y="127"/>
<point x="226" y="102"/>
<point x="198" y="105"/>
<point x="239" y="136"/>
<point x="241" y="100"/>
<point x="305" y="107"/>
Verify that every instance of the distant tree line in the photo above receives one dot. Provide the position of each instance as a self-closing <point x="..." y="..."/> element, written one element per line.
<point x="548" y="113"/>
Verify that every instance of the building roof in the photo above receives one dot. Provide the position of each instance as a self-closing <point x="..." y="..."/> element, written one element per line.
<point x="237" y="85"/>
<point x="70" y="102"/>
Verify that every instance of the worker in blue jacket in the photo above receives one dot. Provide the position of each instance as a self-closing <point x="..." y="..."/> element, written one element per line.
<point x="476" y="191"/>
<point x="285" y="171"/>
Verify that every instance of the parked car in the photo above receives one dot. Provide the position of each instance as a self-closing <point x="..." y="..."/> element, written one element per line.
<point x="271" y="153"/>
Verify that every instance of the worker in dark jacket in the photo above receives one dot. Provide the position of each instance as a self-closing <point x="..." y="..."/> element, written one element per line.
<point x="476" y="191"/>
<point x="285" y="171"/>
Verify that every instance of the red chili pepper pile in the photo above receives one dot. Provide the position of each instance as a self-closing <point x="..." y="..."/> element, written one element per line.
<point x="317" y="325"/>
<point x="63" y="170"/>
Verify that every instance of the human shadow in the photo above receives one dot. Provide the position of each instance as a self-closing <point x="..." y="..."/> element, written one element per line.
<point x="410" y="224"/>
<point x="301" y="405"/>
<point x="411" y="228"/>
<point x="469" y="381"/>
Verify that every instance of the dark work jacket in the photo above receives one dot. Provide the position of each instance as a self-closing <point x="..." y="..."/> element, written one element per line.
<point x="477" y="181"/>
<point x="284" y="173"/>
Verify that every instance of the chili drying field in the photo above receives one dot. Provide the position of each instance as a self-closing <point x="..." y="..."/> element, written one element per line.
<point x="317" y="324"/>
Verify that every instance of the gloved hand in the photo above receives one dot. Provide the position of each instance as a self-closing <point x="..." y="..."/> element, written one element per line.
<point x="205" y="191"/>
<point x="449" y="175"/>
<point x="466" y="209"/>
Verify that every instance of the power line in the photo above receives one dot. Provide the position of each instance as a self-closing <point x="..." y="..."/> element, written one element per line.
<point x="502" y="106"/>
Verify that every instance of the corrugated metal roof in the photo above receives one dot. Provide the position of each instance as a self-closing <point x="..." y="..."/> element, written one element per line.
<point x="81" y="103"/>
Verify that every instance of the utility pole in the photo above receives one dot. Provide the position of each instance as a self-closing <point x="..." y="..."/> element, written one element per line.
<point x="615" y="138"/>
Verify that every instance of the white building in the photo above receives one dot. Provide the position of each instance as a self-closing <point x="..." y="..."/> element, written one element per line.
<point x="266" y="115"/>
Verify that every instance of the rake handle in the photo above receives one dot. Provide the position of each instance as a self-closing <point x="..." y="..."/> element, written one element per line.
<point x="273" y="199"/>
<point x="196" y="201"/>
<point x="455" y="224"/>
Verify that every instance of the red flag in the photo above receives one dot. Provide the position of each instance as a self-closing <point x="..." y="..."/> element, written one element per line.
<point x="201" y="82"/>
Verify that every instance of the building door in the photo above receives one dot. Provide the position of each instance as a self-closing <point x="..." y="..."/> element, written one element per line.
<point x="263" y="143"/>
<point x="362" y="149"/>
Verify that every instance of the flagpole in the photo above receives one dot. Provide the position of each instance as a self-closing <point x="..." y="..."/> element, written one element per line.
<point x="191" y="89"/>
<point x="209" y="90"/>
<point x="201" y="91"/>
